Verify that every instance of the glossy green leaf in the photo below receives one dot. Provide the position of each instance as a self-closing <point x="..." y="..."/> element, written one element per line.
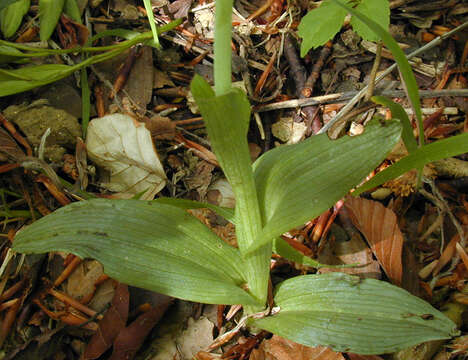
<point x="438" y="150"/>
<point x="399" y="113"/>
<point x="406" y="73"/>
<point x="296" y="183"/>
<point x="30" y="77"/>
<point x="12" y="16"/>
<point x="71" y="9"/>
<point x="353" y="315"/>
<point x="49" y="14"/>
<point x="320" y="25"/>
<point x="378" y="10"/>
<point x="227" y="120"/>
<point x="145" y="244"/>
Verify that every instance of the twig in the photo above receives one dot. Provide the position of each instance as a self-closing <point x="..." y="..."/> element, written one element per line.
<point x="297" y="70"/>
<point x="373" y="74"/>
<point x="361" y="93"/>
<point x="308" y="89"/>
<point x="340" y="97"/>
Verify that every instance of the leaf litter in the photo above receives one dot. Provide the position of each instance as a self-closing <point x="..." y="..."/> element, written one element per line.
<point x="153" y="95"/>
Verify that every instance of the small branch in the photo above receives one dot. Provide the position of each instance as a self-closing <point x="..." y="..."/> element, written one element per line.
<point x="297" y="70"/>
<point x="340" y="97"/>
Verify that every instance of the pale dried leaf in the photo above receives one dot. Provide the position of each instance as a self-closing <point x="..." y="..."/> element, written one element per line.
<point x="82" y="280"/>
<point x="278" y="348"/>
<point x="379" y="225"/>
<point x="124" y="147"/>
<point x="197" y="336"/>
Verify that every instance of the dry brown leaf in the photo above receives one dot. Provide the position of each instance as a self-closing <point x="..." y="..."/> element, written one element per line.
<point x="112" y="323"/>
<point x="139" y="85"/>
<point x="278" y="348"/>
<point x="9" y="147"/>
<point x="161" y="128"/>
<point x="352" y="356"/>
<point x="130" y="339"/>
<point x="447" y="254"/>
<point x="380" y="228"/>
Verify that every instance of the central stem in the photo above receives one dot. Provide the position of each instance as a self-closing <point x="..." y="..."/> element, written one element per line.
<point x="248" y="218"/>
<point x="222" y="47"/>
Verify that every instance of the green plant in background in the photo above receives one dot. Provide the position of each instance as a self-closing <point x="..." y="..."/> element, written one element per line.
<point x="11" y="17"/>
<point x="157" y="245"/>
<point x="12" y="13"/>
<point x="323" y="23"/>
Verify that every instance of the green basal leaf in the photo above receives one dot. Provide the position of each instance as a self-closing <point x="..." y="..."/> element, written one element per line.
<point x="30" y="77"/>
<point x="227" y="120"/>
<point x="438" y="150"/>
<point x="378" y="10"/>
<point x="296" y="183"/>
<point x="49" y="14"/>
<point x="406" y="73"/>
<point x="320" y="25"/>
<point x="145" y="244"/>
<point x="11" y="16"/>
<point x="353" y="315"/>
<point x="399" y="113"/>
<point x="71" y="9"/>
<point x="5" y="3"/>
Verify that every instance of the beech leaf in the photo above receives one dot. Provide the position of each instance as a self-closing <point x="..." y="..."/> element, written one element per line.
<point x="124" y="147"/>
<point x="380" y="227"/>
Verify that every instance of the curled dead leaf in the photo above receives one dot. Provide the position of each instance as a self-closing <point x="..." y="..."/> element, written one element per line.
<point x="380" y="228"/>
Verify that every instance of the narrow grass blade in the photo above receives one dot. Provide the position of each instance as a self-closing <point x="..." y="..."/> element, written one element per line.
<point x="150" y="15"/>
<point x="399" y="113"/>
<point x="438" y="150"/>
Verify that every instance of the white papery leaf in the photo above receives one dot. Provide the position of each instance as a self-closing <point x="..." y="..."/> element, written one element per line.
<point x="124" y="147"/>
